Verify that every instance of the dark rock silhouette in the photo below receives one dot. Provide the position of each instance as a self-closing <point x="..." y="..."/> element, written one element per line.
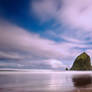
<point x="66" y="69"/>
<point x="82" y="62"/>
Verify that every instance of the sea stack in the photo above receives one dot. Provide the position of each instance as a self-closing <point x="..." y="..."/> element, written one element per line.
<point x="82" y="62"/>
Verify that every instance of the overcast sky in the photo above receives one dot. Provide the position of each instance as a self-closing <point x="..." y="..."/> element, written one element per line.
<point x="44" y="34"/>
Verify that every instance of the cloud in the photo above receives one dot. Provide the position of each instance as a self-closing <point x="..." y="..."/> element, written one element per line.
<point x="18" y="39"/>
<point x="71" y="13"/>
<point x="12" y="65"/>
<point x="77" y="13"/>
<point x="72" y="29"/>
<point x="27" y="47"/>
<point x="44" y="9"/>
<point x="14" y="40"/>
<point x="72" y="40"/>
<point x="89" y="51"/>
<point x="75" y="17"/>
<point x="54" y="63"/>
<point x="10" y="55"/>
<point x="46" y="64"/>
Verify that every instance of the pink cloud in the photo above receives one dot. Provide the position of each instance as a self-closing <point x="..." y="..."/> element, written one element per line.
<point x="74" y="13"/>
<point x="13" y="37"/>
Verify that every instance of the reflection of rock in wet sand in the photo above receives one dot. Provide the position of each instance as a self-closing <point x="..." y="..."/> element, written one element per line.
<point x="82" y="81"/>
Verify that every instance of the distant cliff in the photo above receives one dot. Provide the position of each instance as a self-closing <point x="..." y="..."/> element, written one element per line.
<point x="82" y="62"/>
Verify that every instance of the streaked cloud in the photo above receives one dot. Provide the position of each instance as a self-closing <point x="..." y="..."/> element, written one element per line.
<point x="45" y="9"/>
<point x="15" y="39"/>
<point x="55" y="63"/>
<point x="77" y="14"/>
<point x="69" y="35"/>
<point x="71" y="13"/>
<point x="33" y="45"/>
<point x="12" y="37"/>
<point x="10" y="55"/>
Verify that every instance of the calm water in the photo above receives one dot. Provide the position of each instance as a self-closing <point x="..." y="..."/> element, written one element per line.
<point x="46" y="82"/>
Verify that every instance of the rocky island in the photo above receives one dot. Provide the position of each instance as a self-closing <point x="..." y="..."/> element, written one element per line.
<point x="82" y="62"/>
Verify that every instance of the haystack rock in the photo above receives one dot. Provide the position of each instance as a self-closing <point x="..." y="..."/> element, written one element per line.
<point x="82" y="62"/>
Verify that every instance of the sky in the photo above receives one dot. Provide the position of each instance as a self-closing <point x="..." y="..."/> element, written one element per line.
<point x="44" y="34"/>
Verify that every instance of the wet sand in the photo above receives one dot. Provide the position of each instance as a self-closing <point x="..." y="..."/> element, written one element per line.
<point x="46" y="81"/>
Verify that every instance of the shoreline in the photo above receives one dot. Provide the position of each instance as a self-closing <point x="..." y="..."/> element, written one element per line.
<point x="43" y="72"/>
